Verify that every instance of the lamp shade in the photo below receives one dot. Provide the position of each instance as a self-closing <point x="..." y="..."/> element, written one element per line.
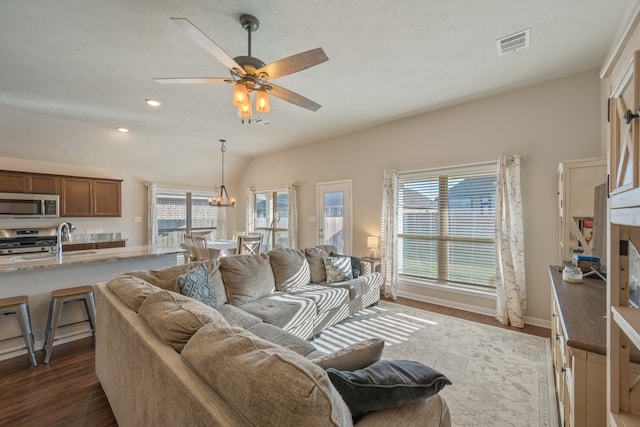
<point x="372" y="242"/>
<point x="262" y="101"/>
<point x="245" y="109"/>
<point x="240" y="94"/>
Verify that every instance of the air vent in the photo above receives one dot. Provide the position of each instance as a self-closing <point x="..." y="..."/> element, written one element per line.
<point x="260" y="121"/>
<point x="513" y="42"/>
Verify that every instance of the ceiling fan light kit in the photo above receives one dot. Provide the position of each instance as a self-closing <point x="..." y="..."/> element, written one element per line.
<point x="251" y="74"/>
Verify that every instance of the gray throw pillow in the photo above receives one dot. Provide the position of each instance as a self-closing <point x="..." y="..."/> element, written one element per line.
<point x="337" y="269"/>
<point x="195" y="284"/>
<point x="356" y="356"/>
<point x="386" y="384"/>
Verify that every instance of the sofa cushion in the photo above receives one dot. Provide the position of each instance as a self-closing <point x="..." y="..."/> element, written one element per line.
<point x="284" y="310"/>
<point x="282" y="338"/>
<point x="386" y="384"/>
<point x="175" y="318"/>
<point x="247" y="277"/>
<point x="290" y="268"/>
<point x="356" y="356"/>
<point x="268" y="384"/>
<point x="324" y="297"/>
<point x="237" y="317"/>
<point x="338" y="269"/>
<point x="132" y="290"/>
<point x="195" y="284"/>
<point x="315" y="257"/>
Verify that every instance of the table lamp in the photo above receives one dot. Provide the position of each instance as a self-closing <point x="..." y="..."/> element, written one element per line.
<point x="372" y="243"/>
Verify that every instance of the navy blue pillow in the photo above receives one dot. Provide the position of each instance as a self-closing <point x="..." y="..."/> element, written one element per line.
<point x="386" y="384"/>
<point x="355" y="264"/>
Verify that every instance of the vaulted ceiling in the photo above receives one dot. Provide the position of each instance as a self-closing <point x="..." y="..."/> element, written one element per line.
<point x="72" y="71"/>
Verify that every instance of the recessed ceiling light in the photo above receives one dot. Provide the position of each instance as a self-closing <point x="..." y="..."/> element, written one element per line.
<point x="152" y="102"/>
<point x="123" y="130"/>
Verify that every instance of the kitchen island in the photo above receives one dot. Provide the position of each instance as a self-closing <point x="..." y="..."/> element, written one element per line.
<point x="36" y="275"/>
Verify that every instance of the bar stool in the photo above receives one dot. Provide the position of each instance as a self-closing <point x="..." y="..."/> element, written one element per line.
<point x="58" y="298"/>
<point x="20" y="307"/>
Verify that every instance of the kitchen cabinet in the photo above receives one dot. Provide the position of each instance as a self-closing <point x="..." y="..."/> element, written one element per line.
<point x="577" y="180"/>
<point x="70" y="247"/>
<point x="24" y="182"/>
<point x="621" y="73"/>
<point x="90" y="197"/>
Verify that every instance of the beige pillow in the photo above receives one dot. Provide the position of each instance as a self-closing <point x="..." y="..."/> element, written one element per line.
<point x="175" y="318"/>
<point x="132" y="290"/>
<point x="247" y="277"/>
<point x="268" y="384"/>
<point x="290" y="268"/>
<point x="354" y="357"/>
<point x="315" y="257"/>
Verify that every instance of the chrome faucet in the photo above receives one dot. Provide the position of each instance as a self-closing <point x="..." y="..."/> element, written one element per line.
<point x="66" y="228"/>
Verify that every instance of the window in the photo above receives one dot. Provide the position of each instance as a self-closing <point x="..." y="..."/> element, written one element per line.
<point x="181" y="210"/>
<point x="446" y="221"/>
<point x="271" y="218"/>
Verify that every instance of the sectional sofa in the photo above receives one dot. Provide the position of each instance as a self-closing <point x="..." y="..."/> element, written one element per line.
<point x="164" y="358"/>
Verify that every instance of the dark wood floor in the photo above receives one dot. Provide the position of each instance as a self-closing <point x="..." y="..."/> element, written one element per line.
<point x="67" y="392"/>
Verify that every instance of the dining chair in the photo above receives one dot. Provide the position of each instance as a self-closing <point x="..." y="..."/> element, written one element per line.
<point x="188" y="245"/>
<point x="200" y="247"/>
<point x="237" y="234"/>
<point x="249" y="245"/>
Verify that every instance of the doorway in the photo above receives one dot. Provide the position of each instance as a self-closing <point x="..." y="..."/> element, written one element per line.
<point x="334" y="215"/>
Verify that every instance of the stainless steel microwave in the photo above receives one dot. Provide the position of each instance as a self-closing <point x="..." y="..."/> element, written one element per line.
<point x="23" y="205"/>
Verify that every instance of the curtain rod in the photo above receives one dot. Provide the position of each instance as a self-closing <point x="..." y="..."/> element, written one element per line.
<point x="273" y="187"/>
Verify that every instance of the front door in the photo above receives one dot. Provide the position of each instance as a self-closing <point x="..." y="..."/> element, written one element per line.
<point x="334" y="214"/>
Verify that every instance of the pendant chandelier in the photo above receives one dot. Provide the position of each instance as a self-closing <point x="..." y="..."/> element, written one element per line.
<point x="223" y="200"/>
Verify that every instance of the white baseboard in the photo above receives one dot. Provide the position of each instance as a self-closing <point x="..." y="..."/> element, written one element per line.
<point x="543" y="323"/>
<point x="19" y="349"/>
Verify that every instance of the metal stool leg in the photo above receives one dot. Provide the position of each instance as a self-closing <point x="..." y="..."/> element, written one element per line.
<point x="24" y="319"/>
<point x="90" y="305"/>
<point x="52" y="324"/>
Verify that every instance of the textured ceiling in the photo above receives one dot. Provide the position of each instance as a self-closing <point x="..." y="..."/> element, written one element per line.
<point x="72" y="71"/>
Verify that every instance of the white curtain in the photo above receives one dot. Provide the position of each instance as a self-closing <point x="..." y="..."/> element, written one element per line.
<point x="250" y="203"/>
<point x="152" y="216"/>
<point x="510" y="280"/>
<point x="293" y="217"/>
<point x="389" y="253"/>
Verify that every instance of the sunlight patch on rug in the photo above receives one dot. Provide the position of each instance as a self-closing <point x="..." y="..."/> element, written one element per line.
<point x="500" y="377"/>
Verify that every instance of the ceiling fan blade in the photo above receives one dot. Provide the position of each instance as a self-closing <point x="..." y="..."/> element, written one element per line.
<point x="209" y="45"/>
<point x="294" y="98"/>
<point x="293" y="64"/>
<point x="195" y="80"/>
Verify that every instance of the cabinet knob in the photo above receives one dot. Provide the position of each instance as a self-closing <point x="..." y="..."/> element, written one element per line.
<point x="628" y="116"/>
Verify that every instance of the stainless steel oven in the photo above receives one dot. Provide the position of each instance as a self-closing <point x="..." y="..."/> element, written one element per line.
<point x="22" y="205"/>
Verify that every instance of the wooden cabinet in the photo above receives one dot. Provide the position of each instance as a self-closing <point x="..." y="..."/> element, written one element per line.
<point x="23" y="182"/>
<point x="577" y="180"/>
<point x="84" y="197"/>
<point x="621" y="73"/>
<point x="70" y="247"/>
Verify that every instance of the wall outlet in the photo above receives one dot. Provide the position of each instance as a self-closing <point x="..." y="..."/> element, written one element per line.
<point x="138" y="219"/>
<point x="90" y="231"/>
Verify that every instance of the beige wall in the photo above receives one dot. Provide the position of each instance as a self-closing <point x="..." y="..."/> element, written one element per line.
<point x="547" y="123"/>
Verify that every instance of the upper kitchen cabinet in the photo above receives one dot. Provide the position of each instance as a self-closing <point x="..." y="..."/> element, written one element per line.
<point x="23" y="182"/>
<point x="107" y="196"/>
<point x="85" y="197"/>
<point x="624" y="103"/>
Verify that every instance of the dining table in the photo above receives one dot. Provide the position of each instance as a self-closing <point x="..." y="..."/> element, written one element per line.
<point x="221" y="247"/>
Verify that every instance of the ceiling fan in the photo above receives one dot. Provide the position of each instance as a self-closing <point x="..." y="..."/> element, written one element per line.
<point x="249" y="73"/>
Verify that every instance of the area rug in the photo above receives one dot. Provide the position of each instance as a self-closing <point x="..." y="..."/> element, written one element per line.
<point x="500" y="377"/>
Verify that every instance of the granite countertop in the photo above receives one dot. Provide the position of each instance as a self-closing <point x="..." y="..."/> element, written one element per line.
<point x="582" y="309"/>
<point x="27" y="262"/>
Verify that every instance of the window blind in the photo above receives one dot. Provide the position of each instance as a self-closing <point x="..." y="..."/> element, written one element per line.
<point x="446" y="225"/>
